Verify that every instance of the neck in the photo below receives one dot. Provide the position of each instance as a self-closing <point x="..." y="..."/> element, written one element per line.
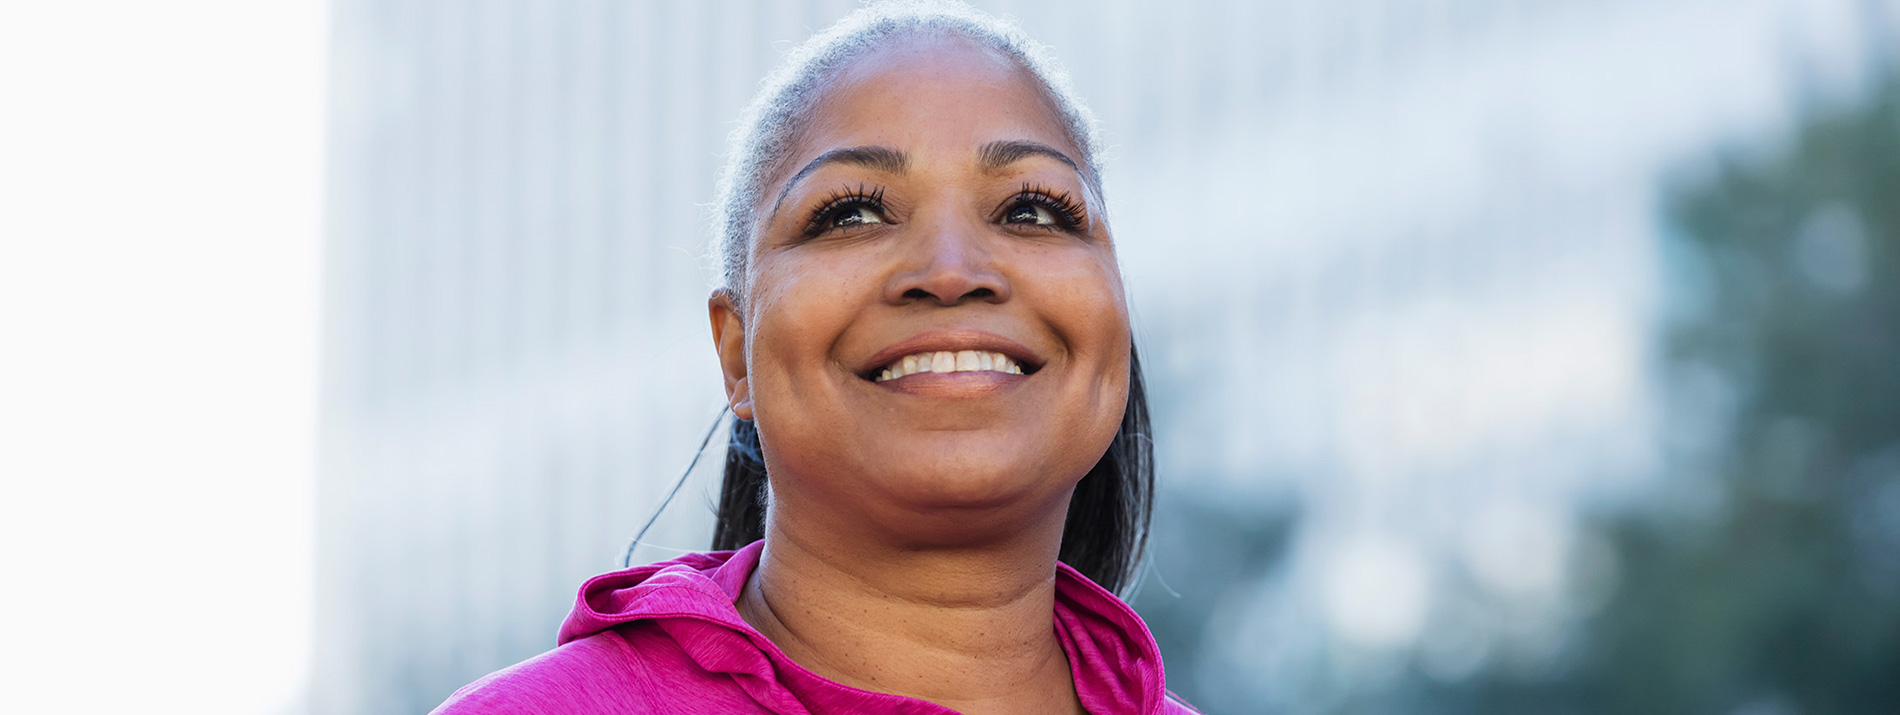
<point x="967" y="628"/>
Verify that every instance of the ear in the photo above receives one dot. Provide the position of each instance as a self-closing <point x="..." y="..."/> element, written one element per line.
<point x="728" y="332"/>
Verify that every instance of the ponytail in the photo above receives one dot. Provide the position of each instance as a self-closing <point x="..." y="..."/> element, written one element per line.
<point x="741" y="518"/>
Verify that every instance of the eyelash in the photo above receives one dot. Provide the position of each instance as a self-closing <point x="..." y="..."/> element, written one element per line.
<point x="841" y="200"/>
<point x="1069" y="214"/>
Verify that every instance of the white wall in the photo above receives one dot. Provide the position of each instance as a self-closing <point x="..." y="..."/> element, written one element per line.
<point x="160" y="216"/>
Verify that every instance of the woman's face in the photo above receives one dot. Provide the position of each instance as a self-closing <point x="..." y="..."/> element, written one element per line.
<point x="935" y="339"/>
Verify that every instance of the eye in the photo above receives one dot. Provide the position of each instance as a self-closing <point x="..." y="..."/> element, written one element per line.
<point x="1030" y="214"/>
<point x="1042" y="209"/>
<point x="855" y="215"/>
<point x="846" y="209"/>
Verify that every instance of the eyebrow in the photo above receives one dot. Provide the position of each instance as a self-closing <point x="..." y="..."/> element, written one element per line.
<point x="998" y="154"/>
<point x="992" y="156"/>
<point x="880" y="158"/>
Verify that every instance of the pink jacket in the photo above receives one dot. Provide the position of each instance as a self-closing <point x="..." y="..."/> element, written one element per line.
<point x="665" y="638"/>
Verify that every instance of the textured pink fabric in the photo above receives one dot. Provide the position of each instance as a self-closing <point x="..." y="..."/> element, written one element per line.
<point x="665" y="638"/>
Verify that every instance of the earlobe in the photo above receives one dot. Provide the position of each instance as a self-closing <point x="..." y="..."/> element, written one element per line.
<point x="740" y="397"/>
<point x="728" y="330"/>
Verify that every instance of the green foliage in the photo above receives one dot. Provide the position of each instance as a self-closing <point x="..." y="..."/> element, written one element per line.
<point x="1785" y="596"/>
<point x="1763" y="577"/>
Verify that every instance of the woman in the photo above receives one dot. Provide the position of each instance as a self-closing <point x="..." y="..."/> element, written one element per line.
<point x="926" y="347"/>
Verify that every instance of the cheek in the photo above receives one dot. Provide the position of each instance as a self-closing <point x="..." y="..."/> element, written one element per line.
<point x="799" y="311"/>
<point x="1084" y="301"/>
<point x="1078" y="292"/>
<point x="784" y="321"/>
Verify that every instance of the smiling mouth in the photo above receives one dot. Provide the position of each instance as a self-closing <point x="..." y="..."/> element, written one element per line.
<point x="943" y="361"/>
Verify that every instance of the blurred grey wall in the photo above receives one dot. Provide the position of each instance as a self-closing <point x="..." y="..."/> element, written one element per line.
<point x="1393" y="263"/>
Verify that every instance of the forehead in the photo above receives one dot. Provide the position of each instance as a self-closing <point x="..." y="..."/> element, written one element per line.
<point x="928" y="94"/>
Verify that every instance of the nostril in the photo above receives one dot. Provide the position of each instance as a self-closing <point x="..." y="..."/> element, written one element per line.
<point x="975" y="294"/>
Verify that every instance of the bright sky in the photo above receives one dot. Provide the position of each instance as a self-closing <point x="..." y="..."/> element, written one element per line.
<point x="160" y="195"/>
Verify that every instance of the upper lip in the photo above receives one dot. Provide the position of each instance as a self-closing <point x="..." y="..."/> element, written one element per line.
<point x="952" y="341"/>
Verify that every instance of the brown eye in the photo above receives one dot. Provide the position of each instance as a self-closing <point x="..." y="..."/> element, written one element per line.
<point x="849" y="208"/>
<point x="855" y="215"/>
<point x="1037" y="208"/>
<point x="1030" y="214"/>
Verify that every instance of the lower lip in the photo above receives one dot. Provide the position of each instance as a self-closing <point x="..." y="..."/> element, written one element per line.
<point x="953" y="384"/>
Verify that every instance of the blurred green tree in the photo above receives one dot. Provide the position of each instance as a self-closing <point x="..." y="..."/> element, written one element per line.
<point x="1781" y="593"/>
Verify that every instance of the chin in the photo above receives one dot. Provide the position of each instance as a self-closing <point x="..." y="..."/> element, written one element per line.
<point x="961" y="489"/>
<point x="942" y="508"/>
<point x="936" y="486"/>
<point x="974" y="476"/>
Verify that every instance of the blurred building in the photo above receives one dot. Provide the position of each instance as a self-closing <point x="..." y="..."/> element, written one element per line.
<point x="515" y="341"/>
<point x="1394" y="268"/>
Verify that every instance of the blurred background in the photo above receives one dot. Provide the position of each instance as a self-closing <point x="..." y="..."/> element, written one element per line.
<point x="1506" y="357"/>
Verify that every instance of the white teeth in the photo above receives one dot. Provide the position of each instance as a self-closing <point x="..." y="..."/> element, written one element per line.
<point x="945" y="361"/>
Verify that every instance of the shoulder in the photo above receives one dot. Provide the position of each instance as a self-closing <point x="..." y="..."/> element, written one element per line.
<point x="577" y="677"/>
<point x="625" y="670"/>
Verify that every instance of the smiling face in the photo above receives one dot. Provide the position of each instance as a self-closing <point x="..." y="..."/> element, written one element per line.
<point x="934" y="341"/>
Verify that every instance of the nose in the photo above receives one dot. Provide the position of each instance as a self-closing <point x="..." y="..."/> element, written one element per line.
<point x="948" y="264"/>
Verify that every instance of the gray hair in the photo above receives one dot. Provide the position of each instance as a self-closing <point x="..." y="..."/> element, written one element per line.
<point x="770" y="123"/>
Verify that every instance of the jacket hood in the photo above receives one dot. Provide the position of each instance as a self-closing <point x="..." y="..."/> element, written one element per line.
<point x="700" y="585"/>
<point x="1116" y="665"/>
